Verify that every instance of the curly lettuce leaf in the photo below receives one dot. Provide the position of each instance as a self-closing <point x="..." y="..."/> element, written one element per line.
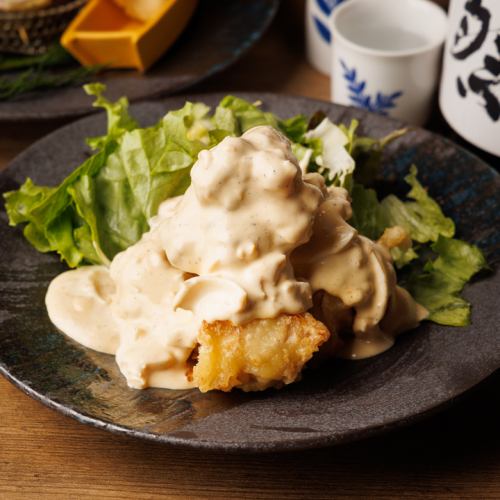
<point x="403" y="256"/>
<point x="369" y="218"/>
<point x="118" y="117"/>
<point x="295" y="127"/>
<point x="189" y="126"/>
<point x="104" y="205"/>
<point x="49" y="213"/>
<point x="336" y="151"/>
<point x="117" y="203"/>
<point x="437" y="286"/>
<point x="225" y="119"/>
<point x="422" y="218"/>
<point x="334" y="163"/>
<point x="245" y="115"/>
<point x="20" y="203"/>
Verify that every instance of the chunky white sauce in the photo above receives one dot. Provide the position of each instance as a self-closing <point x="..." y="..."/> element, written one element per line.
<point x="251" y="238"/>
<point x="246" y="210"/>
<point x="359" y="272"/>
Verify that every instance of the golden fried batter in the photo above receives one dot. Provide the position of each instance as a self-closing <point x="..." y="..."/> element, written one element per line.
<point x="260" y="354"/>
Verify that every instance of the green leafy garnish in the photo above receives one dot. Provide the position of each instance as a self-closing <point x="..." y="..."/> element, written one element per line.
<point x="55" y="55"/>
<point x="435" y="283"/>
<point x="104" y="206"/>
<point x="437" y="286"/>
<point x="422" y="218"/>
<point x="245" y="115"/>
<point x="43" y="71"/>
<point x="333" y="160"/>
<point x="118" y="118"/>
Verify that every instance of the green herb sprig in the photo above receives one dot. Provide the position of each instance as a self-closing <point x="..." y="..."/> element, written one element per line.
<point x="42" y="71"/>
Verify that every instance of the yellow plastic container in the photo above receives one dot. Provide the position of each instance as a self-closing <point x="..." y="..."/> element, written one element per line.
<point x="103" y="34"/>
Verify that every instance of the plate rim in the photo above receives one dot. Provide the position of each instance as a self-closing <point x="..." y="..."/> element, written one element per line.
<point x="258" y="447"/>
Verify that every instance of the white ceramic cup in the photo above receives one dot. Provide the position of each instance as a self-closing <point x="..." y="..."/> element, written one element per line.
<point x="318" y="33"/>
<point x="386" y="56"/>
<point x="470" y="87"/>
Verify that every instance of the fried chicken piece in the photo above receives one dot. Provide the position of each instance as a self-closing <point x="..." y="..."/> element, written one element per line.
<point x="260" y="354"/>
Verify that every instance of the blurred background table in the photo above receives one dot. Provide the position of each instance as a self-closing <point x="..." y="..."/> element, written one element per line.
<point x="455" y="454"/>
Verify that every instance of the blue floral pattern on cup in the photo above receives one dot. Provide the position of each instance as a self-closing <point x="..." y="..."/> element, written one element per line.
<point x="326" y="7"/>
<point x="323" y="31"/>
<point x="380" y="103"/>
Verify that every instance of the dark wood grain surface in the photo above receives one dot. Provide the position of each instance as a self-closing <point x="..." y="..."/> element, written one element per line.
<point x="455" y="454"/>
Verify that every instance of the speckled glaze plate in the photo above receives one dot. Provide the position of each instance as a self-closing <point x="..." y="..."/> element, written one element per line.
<point x="340" y="402"/>
<point x="219" y="33"/>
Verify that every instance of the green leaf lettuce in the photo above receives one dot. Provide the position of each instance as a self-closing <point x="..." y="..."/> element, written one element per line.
<point x="438" y="285"/>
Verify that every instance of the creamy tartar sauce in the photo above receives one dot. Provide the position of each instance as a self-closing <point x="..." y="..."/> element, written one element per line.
<point x="251" y="238"/>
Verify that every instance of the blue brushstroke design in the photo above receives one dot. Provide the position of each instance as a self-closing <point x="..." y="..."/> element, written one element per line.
<point x="327" y="6"/>
<point x="323" y="30"/>
<point x="380" y="103"/>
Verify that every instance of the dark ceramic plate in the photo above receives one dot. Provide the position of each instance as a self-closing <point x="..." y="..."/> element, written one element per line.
<point x="341" y="402"/>
<point x="217" y="35"/>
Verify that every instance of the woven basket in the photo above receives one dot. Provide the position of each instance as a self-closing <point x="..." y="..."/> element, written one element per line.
<point x="33" y="31"/>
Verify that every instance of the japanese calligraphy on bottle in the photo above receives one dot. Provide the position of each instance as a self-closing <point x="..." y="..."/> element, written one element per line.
<point x="470" y="89"/>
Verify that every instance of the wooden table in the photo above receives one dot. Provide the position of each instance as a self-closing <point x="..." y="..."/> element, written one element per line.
<point x="455" y="454"/>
